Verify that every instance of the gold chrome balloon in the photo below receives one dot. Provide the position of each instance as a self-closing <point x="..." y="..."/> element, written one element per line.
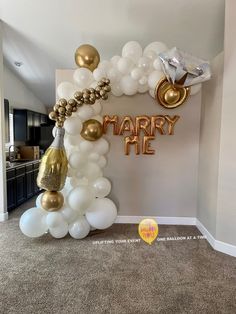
<point x="170" y="96"/>
<point x="86" y="56"/>
<point x="52" y="201"/>
<point x="53" y="166"/>
<point x="92" y="130"/>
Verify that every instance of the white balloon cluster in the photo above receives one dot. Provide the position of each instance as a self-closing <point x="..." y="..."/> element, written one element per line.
<point x="135" y="71"/>
<point x="86" y="206"/>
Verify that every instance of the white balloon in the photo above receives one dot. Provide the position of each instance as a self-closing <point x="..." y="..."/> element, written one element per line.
<point x="98" y="118"/>
<point x="92" y="85"/>
<point x="83" y="77"/>
<point x="66" y="90"/>
<point x="101" y="146"/>
<point x="132" y="50"/>
<point x="86" y="146"/>
<point x="75" y="140"/>
<point x="125" y="65"/>
<point x="73" y="125"/>
<point x="102" y="213"/>
<point x="59" y="231"/>
<point x="114" y="60"/>
<point x="102" y="187"/>
<point x="128" y="85"/>
<point x="152" y="93"/>
<point x="116" y="90"/>
<point x="143" y="88"/>
<point x="32" y="222"/>
<point x="195" y="89"/>
<point x="38" y="200"/>
<point x="144" y="63"/>
<point x="91" y="171"/>
<point x="93" y="157"/>
<point x="136" y="73"/>
<point x="102" y="162"/>
<point x="54" y="219"/>
<point x="98" y="74"/>
<point x="97" y="107"/>
<point x="80" y="228"/>
<point x="114" y="75"/>
<point x="70" y="172"/>
<point x="105" y="65"/>
<point x="54" y="131"/>
<point x="80" y="198"/>
<point x="68" y="214"/>
<point x="77" y="160"/>
<point x="85" y="112"/>
<point x="74" y="181"/>
<point x="143" y="80"/>
<point x="157" y="64"/>
<point x="152" y="55"/>
<point x="154" y="78"/>
<point x="156" y="46"/>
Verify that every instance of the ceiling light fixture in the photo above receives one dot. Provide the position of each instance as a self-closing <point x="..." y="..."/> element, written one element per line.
<point x="18" y="63"/>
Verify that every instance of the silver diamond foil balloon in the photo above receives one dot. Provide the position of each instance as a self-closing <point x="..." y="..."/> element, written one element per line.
<point x="183" y="69"/>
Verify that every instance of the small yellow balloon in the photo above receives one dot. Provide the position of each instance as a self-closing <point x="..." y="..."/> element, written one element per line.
<point x="87" y="56"/>
<point x="148" y="230"/>
<point x="92" y="130"/>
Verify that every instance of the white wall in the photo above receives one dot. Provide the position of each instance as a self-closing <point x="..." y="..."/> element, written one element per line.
<point x="164" y="184"/>
<point x="18" y="94"/>
<point x="217" y="175"/>
<point x="3" y="192"/>
<point x="210" y="146"/>
<point x="226" y="211"/>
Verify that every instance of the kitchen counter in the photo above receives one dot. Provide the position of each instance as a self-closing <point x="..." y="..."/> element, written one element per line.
<point x="16" y="164"/>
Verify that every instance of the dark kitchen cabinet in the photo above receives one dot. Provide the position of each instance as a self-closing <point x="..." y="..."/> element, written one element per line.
<point x="43" y="119"/>
<point x="6" y="111"/>
<point x="29" y="181"/>
<point x="36" y="170"/>
<point x="11" y="190"/>
<point x="21" y="184"/>
<point x="27" y="125"/>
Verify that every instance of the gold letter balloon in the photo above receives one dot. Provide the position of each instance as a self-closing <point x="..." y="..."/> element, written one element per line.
<point x="74" y="196"/>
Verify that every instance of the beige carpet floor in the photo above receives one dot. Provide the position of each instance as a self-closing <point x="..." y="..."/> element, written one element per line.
<point x="46" y="275"/>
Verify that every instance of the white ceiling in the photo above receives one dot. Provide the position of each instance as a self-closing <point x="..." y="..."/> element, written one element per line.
<point x="44" y="34"/>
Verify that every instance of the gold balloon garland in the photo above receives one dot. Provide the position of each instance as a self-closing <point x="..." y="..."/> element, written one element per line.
<point x="54" y="164"/>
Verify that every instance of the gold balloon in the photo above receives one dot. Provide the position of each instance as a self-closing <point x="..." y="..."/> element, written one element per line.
<point x="52" y="201"/>
<point x="92" y="130"/>
<point x="86" y="56"/>
<point x="172" y="96"/>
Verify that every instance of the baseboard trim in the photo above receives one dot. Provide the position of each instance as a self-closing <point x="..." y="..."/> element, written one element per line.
<point x="216" y="244"/>
<point x="188" y="221"/>
<point x="3" y="216"/>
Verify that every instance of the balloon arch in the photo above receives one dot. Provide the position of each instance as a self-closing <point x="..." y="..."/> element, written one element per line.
<point x="74" y="163"/>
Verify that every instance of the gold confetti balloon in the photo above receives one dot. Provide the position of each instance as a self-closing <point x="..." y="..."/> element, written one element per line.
<point x="87" y="56"/>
